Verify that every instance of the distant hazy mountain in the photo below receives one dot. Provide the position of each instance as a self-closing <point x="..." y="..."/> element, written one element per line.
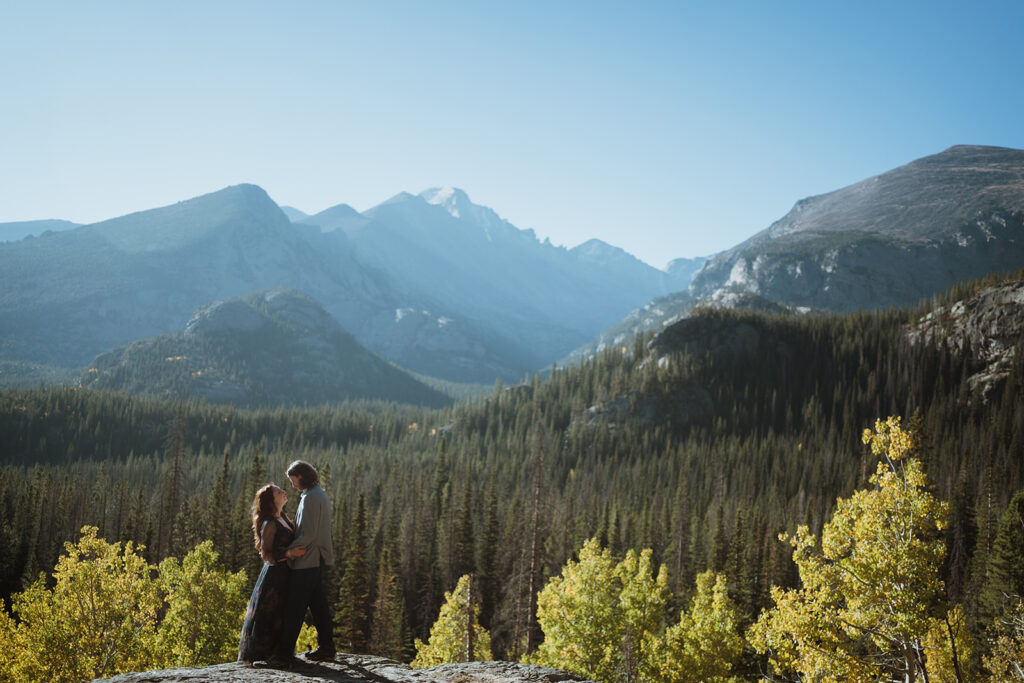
<point x="341" y="217"/>
<point x="270" y="348"/>
<point x="12" y="232"/>
<point x="679" y="273"/>
<point x="433" y="283"/>
<point x="890" y="240"/>
<point x="67" y="296"/>
<point x="537" y="301"/>
<point x="294" y="215"/>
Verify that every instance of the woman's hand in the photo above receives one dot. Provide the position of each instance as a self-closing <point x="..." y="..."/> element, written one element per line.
<point x="295" y="552"/>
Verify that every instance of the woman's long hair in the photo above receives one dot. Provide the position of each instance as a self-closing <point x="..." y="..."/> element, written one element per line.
<point x="263" y="508"/>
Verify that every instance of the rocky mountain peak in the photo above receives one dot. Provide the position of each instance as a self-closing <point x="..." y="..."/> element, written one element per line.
<point x="889" y="240"/>
<point x="231" y="315"/>
<point x="239" y="210"/>
<point x="599" y="250"/>
<point x="457" y="203"/>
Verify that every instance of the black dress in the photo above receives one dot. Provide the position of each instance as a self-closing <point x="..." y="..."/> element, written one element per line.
<point x="265" y="613"/>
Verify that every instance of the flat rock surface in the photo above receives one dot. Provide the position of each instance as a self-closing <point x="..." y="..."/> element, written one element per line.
<point x="358" y="669"/>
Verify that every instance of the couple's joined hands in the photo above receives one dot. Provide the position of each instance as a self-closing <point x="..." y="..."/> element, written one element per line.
<point x="295" y="552"/>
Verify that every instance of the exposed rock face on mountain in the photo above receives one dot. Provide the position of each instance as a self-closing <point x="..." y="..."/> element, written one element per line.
<point x="274" y="347"/>
<point x="988" y="326"/>
<point x="890" y="240"/>
<point x="359" y="669"/>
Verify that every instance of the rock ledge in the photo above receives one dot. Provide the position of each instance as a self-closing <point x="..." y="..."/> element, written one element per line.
<point x="358" y="669"/>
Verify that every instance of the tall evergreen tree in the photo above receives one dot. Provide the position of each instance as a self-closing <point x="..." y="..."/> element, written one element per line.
<point x="464" y="545"/>
<point x="170" y="494"/>
<point x="1005" y="583"/>
<point x="352" y="610"/>
<point x="388" y="632"/>
<point x="218" y="521"/>
<point x="487" y="556"/>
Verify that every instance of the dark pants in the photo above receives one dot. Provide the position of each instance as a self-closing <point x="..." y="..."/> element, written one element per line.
<point x="306" y="589"/>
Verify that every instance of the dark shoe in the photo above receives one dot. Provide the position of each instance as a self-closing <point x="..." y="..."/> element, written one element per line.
<point x="276" y="662"/>
<point x="321" y="655"/>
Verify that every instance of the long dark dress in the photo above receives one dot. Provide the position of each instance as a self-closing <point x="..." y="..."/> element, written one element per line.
<point x="265" y="614"/>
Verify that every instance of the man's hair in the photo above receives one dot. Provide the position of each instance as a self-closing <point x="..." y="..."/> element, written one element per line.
<point x="308" y="478"/>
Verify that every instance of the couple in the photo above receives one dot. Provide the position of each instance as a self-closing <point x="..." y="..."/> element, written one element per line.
<point x="295" y="560"/>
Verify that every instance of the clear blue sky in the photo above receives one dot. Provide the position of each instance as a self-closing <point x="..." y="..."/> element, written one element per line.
<point x="667" y="128"/>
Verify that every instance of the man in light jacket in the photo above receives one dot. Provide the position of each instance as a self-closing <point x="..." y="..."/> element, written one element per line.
<point x="306" y="586"/>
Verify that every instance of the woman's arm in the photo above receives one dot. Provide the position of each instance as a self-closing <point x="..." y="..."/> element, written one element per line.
<point x="267" y="533"/>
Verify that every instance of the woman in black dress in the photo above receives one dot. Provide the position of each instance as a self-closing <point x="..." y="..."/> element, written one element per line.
<point x="273" y="532"/>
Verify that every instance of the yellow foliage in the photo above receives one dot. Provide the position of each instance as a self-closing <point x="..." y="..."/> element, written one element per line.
<point x="98" y="620"/>
<point x="704" y="645"/>
<point x="604" y="619"/>
<point x="580" y="616"/>
<point x="940" y="646"/>
<point x="205" y="608"/>
<point x="447" y="641"/>
<point x="103" y="614"/>
<point x="871" y="593"/>
<point x="307" y="639"/>
<point x="1006" y="661"/>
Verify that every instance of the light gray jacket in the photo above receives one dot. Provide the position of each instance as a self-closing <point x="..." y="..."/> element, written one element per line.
<point x="313" y="530"/>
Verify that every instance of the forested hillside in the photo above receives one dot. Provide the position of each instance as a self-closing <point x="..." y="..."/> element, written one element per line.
<point x="702" y="445"/>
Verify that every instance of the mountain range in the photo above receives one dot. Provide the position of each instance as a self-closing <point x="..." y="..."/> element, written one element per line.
<point x="431" y="282"/>
<point x="440" y="286"/>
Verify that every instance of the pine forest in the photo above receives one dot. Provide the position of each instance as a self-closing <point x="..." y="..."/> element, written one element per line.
<point x="712" y="495"/>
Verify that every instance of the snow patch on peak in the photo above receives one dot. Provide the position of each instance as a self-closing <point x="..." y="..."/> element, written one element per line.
<point x="458" y="205"/>
<point x="444" y="195"/>
<point x="455" y="201"/>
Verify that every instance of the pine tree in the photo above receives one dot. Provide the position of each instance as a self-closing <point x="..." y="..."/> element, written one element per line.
<point x="242" y="545"/>
<point x="1006" y="561"/>
<point x="388" y="631"/>
<point x="352" y="611"/>
<point x="218" y="522"/>
<point x="170" y="496"/>
<point x="487" y="552"/>
<point x="961" y="535"/>
<point x="464" y="554"/>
